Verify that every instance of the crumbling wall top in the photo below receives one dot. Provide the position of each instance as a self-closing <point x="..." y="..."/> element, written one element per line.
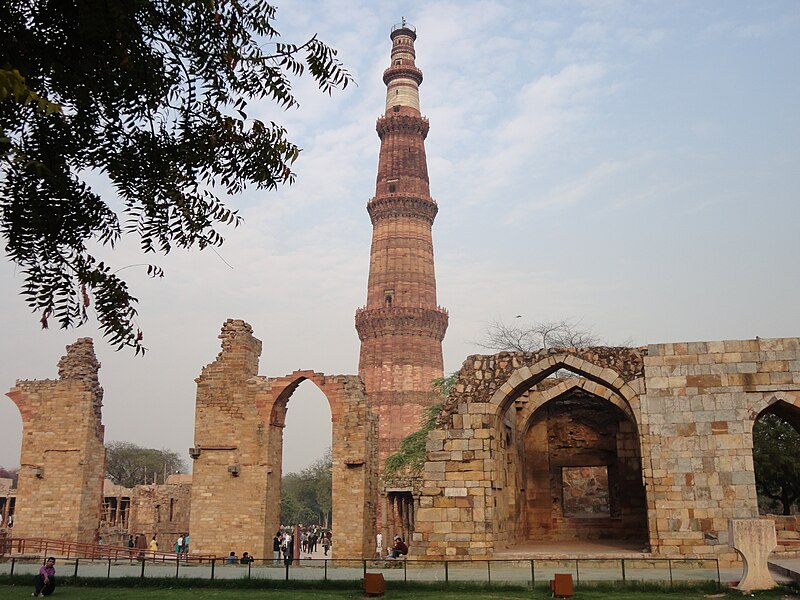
<point x="81" y="364"/>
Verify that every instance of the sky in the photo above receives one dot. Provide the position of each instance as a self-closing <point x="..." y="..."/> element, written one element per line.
<point x="634" y="166"/>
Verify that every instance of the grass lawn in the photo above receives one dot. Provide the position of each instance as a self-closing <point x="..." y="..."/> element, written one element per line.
<point x="8" y="592"/>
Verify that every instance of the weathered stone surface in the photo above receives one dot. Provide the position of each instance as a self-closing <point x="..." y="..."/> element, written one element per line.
<point x="681" y="423"/>
<point x="754" y="539"/>
<point x="60" y="488"/>
<point x="239" y="420"/>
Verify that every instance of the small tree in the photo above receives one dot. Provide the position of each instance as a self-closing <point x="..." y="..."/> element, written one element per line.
<point x="776" y="458"/>
<point x="129" y="465"/>
<point x="528" y="337"/>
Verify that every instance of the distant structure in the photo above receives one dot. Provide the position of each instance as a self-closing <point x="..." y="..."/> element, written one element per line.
<point x="401" y="327"/>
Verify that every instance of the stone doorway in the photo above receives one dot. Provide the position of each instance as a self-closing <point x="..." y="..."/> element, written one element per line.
<point x="582" y="472"/>
<point x="776" y="448"/>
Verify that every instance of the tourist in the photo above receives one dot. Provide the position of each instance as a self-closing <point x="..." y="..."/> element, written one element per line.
<point x="186" y="544"/>
<point x="153" y="545"/>
<point x="141" y="544"/>
<point x="399" y="549"/>
<point x="276" y="548"/>
<point x="232" y="559"/>
<point x="288" y="548"/>
<point x="246" y="558"/>
<point x="326" y="543"/>
<point x="46" y="579"/>
<point x="179" y="544"/>
<point x="312" y="542"/>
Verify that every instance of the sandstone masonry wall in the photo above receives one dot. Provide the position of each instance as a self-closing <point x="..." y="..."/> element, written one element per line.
<point x="698" y="413"/>
<point x="691" y="406"/>
<point x="239" y="422"/>
<point x="60" y="488"/>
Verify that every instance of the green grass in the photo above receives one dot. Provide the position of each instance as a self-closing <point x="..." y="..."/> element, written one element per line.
<point x="184" y="590"/>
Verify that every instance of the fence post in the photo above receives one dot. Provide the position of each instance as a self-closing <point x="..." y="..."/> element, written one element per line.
<point x="489" y="571"/>
<point x="75" y="574"/>
<point x="177" y="564"/>
<point x="13" y="562"/>
<point x="364" y="565"/>
<point x="533" y="575"/>
<point x="213" y="564"/>
<point x="446" y="573"/>
<point x="108" y="573"/>
<point x="144" y="560"/>
<point x="249" y="564"/>
<point x="577" y="572"/>
<point x="623" y="570"/>
<point x="325" y="576"/>
<point x="405" y="570"/>
<point x="669" y="562"/>
<point x="719" y="579"/>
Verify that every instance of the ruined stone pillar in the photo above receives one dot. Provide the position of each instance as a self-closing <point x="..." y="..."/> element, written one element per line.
<point x="62" y="462"/>
<point x="230" y="453"/>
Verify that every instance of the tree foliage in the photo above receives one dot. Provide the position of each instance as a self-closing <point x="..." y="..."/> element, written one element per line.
<point x="151" y="94"/>
<point x="776" y="458"/>
<point x="410" y="456"/>
<point x="306" y="497"/>
<point x="528" y="337"/>
<point x="129" y="465"/>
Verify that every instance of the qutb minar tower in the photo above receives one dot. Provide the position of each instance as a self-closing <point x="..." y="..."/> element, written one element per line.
<point x="401" y="328"/>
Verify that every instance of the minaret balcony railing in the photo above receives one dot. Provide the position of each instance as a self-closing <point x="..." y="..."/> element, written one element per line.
<point x="374" y="323"/>
<point x="403" y="123"/>
<point x="396" y="71"/>
<point x="391" y="206"/>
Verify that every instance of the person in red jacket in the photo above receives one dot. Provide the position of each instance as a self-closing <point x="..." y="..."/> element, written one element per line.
<point x="399" y="549"/>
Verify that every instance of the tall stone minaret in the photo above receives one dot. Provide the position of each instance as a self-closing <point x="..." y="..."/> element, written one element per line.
<point x="401" y="328"/>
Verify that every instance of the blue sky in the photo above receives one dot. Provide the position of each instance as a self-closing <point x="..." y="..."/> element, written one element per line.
<point x="634" y="165"/>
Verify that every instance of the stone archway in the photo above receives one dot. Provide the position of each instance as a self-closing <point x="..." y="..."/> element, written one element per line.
<point x="774" y="443"/>
<point x="582" y="470"/>
<point x="353" y="453"/>
<point x="239" y="422"/>
<point x="474" y="476"/>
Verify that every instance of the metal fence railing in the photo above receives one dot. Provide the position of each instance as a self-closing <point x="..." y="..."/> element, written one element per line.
<point x="525" y="572"/>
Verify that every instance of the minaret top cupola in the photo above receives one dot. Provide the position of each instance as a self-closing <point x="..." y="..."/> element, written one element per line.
<point x="402" y="78"/>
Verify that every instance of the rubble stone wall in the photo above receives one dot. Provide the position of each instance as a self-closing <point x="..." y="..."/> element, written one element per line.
<point x="60" y="488"/>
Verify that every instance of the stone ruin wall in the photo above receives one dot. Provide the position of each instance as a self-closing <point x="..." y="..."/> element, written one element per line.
<point x="692" y="406"/>
<point x="60" y="488"/>
<point x="161" y="510"/>
<point x="239" y="422"/>
<point x="698" y="413"/>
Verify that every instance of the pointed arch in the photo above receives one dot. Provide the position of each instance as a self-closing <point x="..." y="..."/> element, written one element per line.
<point x="523" y="378"/>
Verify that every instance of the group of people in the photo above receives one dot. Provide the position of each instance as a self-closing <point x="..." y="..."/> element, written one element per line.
<point x="232" y="559"/>
<point x="310" y="538"/>
<point x="140" y="542"/>
<point x="182" y="544"/>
